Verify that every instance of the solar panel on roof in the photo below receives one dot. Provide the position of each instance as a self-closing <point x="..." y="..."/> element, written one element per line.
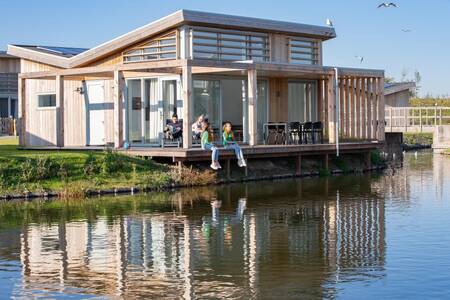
<point x="63" y="50"/>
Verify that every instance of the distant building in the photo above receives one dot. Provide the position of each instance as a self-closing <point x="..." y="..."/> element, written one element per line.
<point x="9" y="68"/>
<point x="398" y="94"/>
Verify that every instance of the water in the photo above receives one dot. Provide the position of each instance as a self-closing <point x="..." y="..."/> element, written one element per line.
<point x="377" y="237"/>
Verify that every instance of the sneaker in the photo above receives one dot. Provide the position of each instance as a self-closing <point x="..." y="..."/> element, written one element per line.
<point x="240" y="163"/>
<point x="218" y="165"/>
<point x="243" y="163"/>
<point x="214" y="166"/>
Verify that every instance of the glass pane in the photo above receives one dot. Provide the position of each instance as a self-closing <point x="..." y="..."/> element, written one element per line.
<point x="262" y="108"/>
<point x="134" y="111"/>
<point x="169" y="99"/>
<point x="4" y="107"/>
<point x="207" y="100"/>
<point x="205" y="33"/>
<point x="152" y="129"/>
<point x="302" y="102"/>
<point x="47" y="100"/>
<point x="233" y="57"/>
<point x="167" y="42"/>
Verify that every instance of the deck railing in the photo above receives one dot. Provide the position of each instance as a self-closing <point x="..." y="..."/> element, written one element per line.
<point x="409" y="118"/>
<point x="8" y="126"/>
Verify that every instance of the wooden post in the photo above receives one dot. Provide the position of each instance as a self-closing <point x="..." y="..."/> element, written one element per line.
<point x="298" y="166"/>
<point x="374" y="108"/>
<point x="352" y="108"/>
<point x="325" y="162"/>
<point x="252" y="107"/>
<point x="390" y="116"/>
<point x="363" y="108"/>
<point x="347" y="107"/>
<point x="22" y="111"/>
<point x="59" y="111"/>
<point x="435" y="115"/>
<point x="420" y="118"/>
<point x="119" y="84"/>
<point x="358" y="108"/>
<point x="342" y="107"/>
<point x="381" y="112"/>
<point x="331" y="110"/>
<point x="405" y="116"/>
<point x="188" y="106"/>
<point x="369" y="108"/>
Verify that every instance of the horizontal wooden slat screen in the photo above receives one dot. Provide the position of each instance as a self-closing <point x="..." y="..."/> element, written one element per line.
<point x="303" y="51"/>
<point x="160" y="48"/>
<point x="222" y="44"/>
<point x="8" y="83"/>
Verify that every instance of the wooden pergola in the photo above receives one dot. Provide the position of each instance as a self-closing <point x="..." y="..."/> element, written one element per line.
<point x="360" y="93"/>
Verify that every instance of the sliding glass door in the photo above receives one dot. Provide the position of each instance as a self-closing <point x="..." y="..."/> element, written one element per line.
<point x="302" y="101"/>
<point x="150" y="103"/>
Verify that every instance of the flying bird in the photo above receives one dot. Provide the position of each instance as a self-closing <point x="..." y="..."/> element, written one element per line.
<point x="360" y="58"/>
<point x="387" y="5"/>
<point x="329" y="23"/>
<point x="406" y="30"/>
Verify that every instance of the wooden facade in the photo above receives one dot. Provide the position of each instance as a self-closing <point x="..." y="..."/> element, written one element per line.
<point x="229" y="47"/>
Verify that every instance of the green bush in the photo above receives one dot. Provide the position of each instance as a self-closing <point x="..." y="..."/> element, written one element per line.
<point x="113" y="162"/>
<point x="91" y="165"/>
<point x="423" y="138"/>
<point x="39" y="168"/>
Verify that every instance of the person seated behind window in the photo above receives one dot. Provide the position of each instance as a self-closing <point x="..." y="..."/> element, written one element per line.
<point x="174" y="128"/>
<point x="229" y="143"/>
<point x="197" y="127"/>
<point x="208" y="144"/>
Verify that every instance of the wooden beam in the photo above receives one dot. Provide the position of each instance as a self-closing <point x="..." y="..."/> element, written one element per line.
<point x="331" y="110"/>
<point x="347" y="107"/>
<point x="22" y="111"/>
<point x="369" y="107"/>
<point x="342" y="96"/>
<point x="59" y="111"/>
<point x="381" y="111"/>
<point x="188" y="105"/>
<point x="374" y="108"/>
<point x="363" y="108"/>
<point x="358" y="108"/>
<point x="252" y="106"/>
<point x="119" y="84"/>
<point x="351" y="110"/>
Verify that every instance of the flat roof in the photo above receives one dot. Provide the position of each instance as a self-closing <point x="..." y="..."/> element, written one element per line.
<point x="395" y="87"/>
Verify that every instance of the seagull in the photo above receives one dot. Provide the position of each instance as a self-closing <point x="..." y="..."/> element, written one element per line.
<point x="360" y="58"/>
<point x="329" y="23"/>
<point x="406" y="30"/>
<point x="387" y="5"/>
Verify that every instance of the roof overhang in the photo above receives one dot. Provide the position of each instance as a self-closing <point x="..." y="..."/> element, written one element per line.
<point x="399" y="87"/>
<point x="173" y="20"/>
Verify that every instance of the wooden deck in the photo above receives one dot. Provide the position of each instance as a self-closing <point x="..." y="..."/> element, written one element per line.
<point x="260" y="151"/>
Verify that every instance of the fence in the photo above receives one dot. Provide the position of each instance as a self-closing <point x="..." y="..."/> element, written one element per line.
<point x="8" y="126"/>
<point x="416" y="118"/>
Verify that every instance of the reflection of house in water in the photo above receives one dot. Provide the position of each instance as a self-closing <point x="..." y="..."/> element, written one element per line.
<point x="249" y="249"/>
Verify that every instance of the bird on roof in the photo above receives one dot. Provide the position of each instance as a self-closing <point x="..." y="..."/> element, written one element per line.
<point x="329" y="23"/>
<point x="387" y="5"/>
<point x="360" y="58"/>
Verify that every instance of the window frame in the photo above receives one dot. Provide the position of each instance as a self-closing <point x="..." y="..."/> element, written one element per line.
<point x="45" y="107"/>
<point x="315" y="47"/>
<point x="156" y="43"/>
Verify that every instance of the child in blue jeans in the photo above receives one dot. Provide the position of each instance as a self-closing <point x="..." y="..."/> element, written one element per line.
<point x="207" y="144"/>
<point x="230" y="143"/>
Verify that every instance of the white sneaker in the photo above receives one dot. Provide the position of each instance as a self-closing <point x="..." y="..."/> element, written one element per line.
<point x="240" y="163"/>
<point x="243" y="163"/>
<point x="214" y="166"/>
<point x="218" y="165"/>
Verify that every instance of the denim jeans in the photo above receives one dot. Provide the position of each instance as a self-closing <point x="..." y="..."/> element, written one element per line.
<point x="237" y="150"/>
<point x="215" y="151"/>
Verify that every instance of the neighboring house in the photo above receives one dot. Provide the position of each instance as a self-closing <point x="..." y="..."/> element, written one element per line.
<point x="245" y="70"/>
<point x="398" y="94"/>
<point x="9" y="68"/>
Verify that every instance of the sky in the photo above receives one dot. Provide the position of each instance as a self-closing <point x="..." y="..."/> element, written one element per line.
<point x="362" y="29"/>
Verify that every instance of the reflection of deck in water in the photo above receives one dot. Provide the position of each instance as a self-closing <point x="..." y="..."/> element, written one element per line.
<point x="214" y="250"/>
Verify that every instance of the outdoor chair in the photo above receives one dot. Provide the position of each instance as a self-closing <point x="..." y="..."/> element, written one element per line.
<point x="169" y="138"/>
<point x="307" y="132"/>
<point x="294" y="132"/>
<point x="317" y="128"/>
<point x="275" y="135"/>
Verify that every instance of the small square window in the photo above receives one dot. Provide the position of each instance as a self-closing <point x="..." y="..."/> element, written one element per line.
<point x="48" y="100"/>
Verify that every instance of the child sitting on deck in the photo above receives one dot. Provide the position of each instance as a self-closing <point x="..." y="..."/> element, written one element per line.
<point x="207" y="144"/>
<point x="230" y="143"/>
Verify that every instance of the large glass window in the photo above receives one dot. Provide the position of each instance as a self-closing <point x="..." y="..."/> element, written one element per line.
<point x="262" y="108"/>
<point x="47" y="100"/>
<point x="134" y="111"/>
<point x="210" y="43"/>
<point x="302" y="101"/>
<point x="207" y="100"/>
<point x="4" y="108"/>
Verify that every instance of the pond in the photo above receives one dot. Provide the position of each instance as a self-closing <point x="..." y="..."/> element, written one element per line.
<point x="380" y="235"/>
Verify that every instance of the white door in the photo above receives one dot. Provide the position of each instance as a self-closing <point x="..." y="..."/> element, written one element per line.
<point x="96" y="113"/>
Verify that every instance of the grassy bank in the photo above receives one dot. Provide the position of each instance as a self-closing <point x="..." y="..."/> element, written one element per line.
<point x="75" y="172"/>
<point x="418" y="139"/>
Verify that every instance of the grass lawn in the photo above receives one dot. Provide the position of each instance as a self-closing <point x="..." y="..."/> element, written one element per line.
<point x="74" y="172"/>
